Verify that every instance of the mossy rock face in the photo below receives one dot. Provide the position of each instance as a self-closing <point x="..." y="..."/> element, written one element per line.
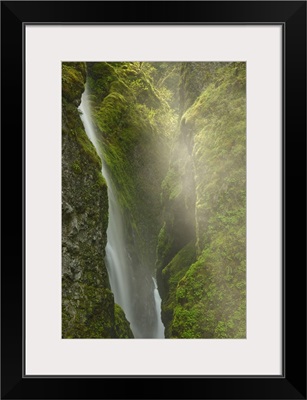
<point x="170" y="277"/>
<point x="173" y="137"/>
<point x="88" y="312"/>
<point x="73" y="80"/>
<point x="87" y="301"/>
<point x="178" y="205"/>
<point x="122" y="326"/>
<point x="208" y="297"/>
<point x="133" y="120"/>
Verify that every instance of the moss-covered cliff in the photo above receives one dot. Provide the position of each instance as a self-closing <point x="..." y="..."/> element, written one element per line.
<point x="88" y="309"/>
<point x="201" y="253"/>
<point x="133" y="121"/>
<point x="173" y="140"/>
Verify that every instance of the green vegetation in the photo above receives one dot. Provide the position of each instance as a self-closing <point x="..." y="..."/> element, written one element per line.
<point x="134" y="120"/>
<point x="209" y="301"/>
<point x="173" y="138"/>
<point x="171" y="276"/>
<point x="122" y="328"/>
<point x="88" y="309"/>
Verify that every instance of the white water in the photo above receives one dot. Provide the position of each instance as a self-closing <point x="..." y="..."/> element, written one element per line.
<point x="117" y="259"/>
<point x="160" y="327"/>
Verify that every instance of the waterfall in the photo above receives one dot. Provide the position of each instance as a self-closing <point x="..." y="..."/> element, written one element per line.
<point x="159" y="332"/>
<point x="124" y="283"/>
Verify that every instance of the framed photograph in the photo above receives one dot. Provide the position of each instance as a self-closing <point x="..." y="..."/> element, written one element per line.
<point x="163" y="151"/>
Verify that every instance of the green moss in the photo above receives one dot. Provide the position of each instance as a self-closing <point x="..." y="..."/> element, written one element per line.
<point x="209" y="300"/>
<point x="73" y="79"/>
<point x="122" y="327"/>
<point x="132" y="119"/>
<point x="205" y="288"/>
<point x="172" y="184"/>
<point x="171" y="276"/>
<point x="93" y="318"/>
<point x="76" y="167"/>
<point x="101" y="182"/>
<point x="202" y="284"/>
<point x="164" y="243"/>
<point x="186" y="323"/>
<point x="88" y="148"/>
<point x="87" y="301"/>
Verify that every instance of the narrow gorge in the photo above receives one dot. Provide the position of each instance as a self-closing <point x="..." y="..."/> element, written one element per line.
<point x="118" y="259"/>
<point x="153" y="200"/>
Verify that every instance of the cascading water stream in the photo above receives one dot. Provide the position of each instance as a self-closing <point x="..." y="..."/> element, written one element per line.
<point x="159" y="333"/>
<point x="117" y="259"/>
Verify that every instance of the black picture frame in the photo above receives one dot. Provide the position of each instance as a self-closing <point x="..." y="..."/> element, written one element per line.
<point x="292" y="16"/>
